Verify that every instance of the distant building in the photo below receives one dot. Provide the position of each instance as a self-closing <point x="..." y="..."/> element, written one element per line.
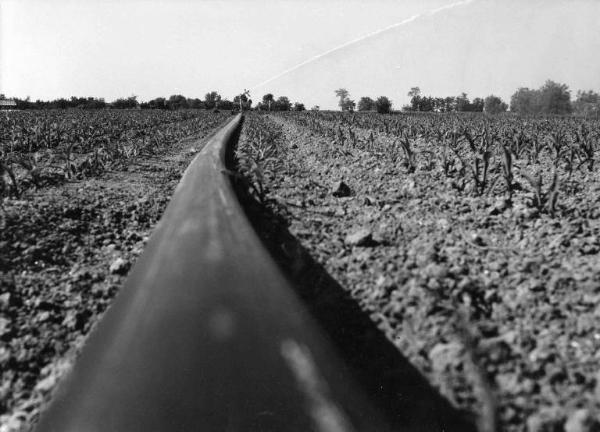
<point x="7" y="104"/>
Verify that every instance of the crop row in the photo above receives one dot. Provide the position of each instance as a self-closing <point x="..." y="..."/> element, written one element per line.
<point x="478" y="155"/>
<point x="45" y="147"/>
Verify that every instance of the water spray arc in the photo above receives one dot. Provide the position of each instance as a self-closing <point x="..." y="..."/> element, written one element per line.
<point x="362" y="38"/>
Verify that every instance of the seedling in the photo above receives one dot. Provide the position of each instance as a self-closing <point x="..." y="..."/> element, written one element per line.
<point x="448" y="162"/>
<point x="410" y="159"/>
<point x="507" y="174"/>
<point x="6" y="169"/>
<point x="31" y="163"/>
<point x="543" y="200"/>
<point x="556" y="143"/>
<point x="586" y="146"/>
<point x="536" y="148"/>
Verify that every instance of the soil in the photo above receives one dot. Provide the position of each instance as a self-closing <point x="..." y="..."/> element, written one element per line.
<point x="64" y="253"/>
<point x="496" y="305"/>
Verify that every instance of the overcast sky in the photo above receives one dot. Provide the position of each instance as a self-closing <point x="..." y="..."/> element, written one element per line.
<point x="151" y="48"/>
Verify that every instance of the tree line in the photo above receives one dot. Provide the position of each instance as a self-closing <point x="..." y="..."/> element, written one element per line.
<point x="550" y="98"/>
<point x="212" y="100"/>
<point x="282" y="103"/>
<point x="418" y="102"/>
<point x="554" y="98"/>
<point x="461" y="103"/>
<point x="382" y="104"/>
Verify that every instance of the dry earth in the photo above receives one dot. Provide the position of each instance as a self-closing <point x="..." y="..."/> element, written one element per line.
<point x="496" y="306"/>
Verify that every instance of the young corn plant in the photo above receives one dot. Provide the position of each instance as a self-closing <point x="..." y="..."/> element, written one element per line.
<point x="352" y="136"/>
<point x="5" y="188"/>
<point x="410" y="158"/>
<point x="520" y="143"/>
<point x="556" y="143"/>
<point x="507" y="171"/>
<point x="480" y="165"/>
<point x="371" y="142"/>
<point x="257" y="157"/>
<point x="93" y="164"/>
<point x="535" y="148"/>
<point x="447" y="161"/>
<point x="586" y="145"/>
<point x="543" y="200"/>
<point x="69" y="170"/>
<point x="31" y="163"/>
<point x="340" y="138"/>
<point x="570" y="158"/>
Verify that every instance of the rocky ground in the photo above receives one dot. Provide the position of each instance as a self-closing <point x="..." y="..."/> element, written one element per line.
<point x="497" y="305"/>
<point x="64" y="253"/>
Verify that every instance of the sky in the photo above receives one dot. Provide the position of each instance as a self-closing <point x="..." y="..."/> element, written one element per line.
<point x="151" y="48"/>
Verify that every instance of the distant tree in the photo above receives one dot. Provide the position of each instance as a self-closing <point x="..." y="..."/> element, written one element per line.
<point x="299" y="106"/>
<point x="525" y="101"/>
<point x="225" y="104"/>
<point x="463" y="103"/>
<point x="195" y="103"/>
<point x="587" y="103"/>
<point x="494" y="105"/>
<point x="345" y="103"/>
<point x="426" y="103"/>
<point x="478" y="105"/>
<point x="414" y="92"/>
<point x="418" y="102"/>
<point x="342" y="93"/>
<point x="74" y="102"/>
<point x="415" y="99"/>
<point x="555" y="98"/>
<point x="440" y="104"/>
<point x="551" y="98"/>
<point x="589" y="96"/>
<point x="282" y="104"/>
<point x="93" y="103"/>
<point x="267" y="100"/>
<point x="176" y="102"/>
<point x="211" y="100"/>
<point x="383" y="105"/>
<point x="239" y="101"/>
<point x="243" y="100"/>
<point x="61" y="103"/>
<point x="130" y="102"/>
<point x="158" y="103"/>
<point x="366" y="104"/>
<point x="449" y="104"/>
<point x="273" y="105"/>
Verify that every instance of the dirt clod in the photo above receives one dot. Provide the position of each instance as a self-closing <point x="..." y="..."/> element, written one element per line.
<point x="119" y="266"/>
<point x="362" y="237"/>
<point x="341" y="189"/>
